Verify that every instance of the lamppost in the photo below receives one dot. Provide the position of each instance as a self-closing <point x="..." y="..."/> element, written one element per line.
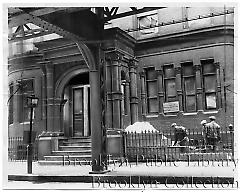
<point x="231" y="130"/>
<point x="32" y="102"/>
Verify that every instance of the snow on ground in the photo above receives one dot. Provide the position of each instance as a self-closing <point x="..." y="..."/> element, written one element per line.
<point x="139" y="127"/>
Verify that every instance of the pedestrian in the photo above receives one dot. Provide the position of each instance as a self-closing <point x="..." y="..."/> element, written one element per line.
<point x="212" y="133"/>
<point x="180" y="134"/>
<point x="203" y="123"/>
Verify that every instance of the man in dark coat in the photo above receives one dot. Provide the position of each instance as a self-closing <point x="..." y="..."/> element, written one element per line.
<point x="212" y="133"/>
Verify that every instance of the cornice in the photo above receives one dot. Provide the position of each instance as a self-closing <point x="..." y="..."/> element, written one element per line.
<point x="211" y="29"/>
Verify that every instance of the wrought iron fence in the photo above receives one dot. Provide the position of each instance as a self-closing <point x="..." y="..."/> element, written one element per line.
<point x="17" y="149"/>
<point x="160" y="145"/>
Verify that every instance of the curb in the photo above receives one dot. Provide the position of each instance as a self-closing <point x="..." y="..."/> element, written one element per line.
<point x="134" y="179"/>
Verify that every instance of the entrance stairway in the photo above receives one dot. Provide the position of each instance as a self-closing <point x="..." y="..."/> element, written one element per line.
<point x="73" y="151"/>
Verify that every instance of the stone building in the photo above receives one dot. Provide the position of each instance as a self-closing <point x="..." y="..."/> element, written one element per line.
<point x="165" y="65"/>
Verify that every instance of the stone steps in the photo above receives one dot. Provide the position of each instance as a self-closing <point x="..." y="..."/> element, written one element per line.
<point x="70" y="152"/>
<point x="72" y="163"/>
<point x="74" y="148"/>
<point x="79" y="152"/>
<point x="67" y="157"/>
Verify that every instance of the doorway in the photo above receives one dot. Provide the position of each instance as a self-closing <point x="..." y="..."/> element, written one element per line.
<point x="76" y="111"/>
<point x="81" y="103"/>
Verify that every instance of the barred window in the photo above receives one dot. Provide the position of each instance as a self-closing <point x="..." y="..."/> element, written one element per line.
<point x="209" y="83"/>
<point x="189" y="87"/>
<point x="151" y="82"/>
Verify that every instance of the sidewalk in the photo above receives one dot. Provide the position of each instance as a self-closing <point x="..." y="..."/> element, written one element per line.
<point x="128" y="176"/>
<point x="179" y="169"/>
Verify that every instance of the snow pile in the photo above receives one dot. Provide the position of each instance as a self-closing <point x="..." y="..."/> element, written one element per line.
<point x="139" y="127"/>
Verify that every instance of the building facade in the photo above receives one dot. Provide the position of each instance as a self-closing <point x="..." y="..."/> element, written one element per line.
<point x="164" y="66"/>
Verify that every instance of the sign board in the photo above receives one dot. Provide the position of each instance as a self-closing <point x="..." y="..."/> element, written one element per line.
<point x="171" y="107"/>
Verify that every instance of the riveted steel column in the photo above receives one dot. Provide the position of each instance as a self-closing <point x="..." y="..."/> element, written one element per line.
<point x="199" y="88"/>
<point x="96" y="129"/>
<point x="133" y="91"/>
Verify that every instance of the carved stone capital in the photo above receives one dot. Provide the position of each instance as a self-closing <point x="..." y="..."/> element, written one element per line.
<point x="132" y="63"/>
<point x="113" y="57"/>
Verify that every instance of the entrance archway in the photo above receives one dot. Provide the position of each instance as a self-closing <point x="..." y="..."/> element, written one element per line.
<point x="73" y="87"/>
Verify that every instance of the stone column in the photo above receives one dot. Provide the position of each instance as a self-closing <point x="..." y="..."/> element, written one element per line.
<point x="133" y="91"/>
<point x="109" y="106"/>
<point x="219" y="103"/>
<point x="44" y="93"/>
<point x="127" y="98"/>
<point x="179" y="87"/>
<point x="160" y="89"/>
<point x="50" y="97"/>
<point x="143" y="93"/>
<point x="116" y="91"/>
<point x="57" y="114"/>
<point x="199" y="87"/>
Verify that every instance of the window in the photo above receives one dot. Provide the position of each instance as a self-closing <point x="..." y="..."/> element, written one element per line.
<point x="151" y="82"/>
<point x="209" y="83"/>
<point x="169" y="83"/>
<point x="189" y="87"/>
<point x="26" y="89"/>
<point x="146" y="24"/>
<point x="10" y="106"/>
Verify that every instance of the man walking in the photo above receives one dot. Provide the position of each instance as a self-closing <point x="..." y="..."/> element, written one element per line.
<point x="212" y="133"/>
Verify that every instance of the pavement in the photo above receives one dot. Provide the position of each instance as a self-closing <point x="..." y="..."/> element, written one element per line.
<point x="172" y="172"/>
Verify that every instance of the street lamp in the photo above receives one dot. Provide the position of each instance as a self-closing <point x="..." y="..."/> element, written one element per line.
<point x="231" y="130"/>
<point x="32" y="102"/>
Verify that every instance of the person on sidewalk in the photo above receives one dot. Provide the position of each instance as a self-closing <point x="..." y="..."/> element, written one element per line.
<point x="212" y="132"/>
<point x="181" y="135"/>
<point x="203" y="123"/>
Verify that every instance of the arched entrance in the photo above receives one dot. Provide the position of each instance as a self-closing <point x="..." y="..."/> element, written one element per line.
<point x="76" y="111"/>
<point x="74" y="89"/>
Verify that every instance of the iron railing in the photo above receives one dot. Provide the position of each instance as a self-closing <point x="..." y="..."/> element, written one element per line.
<point x="17" y="149"/>
<point x="159" y="145"/>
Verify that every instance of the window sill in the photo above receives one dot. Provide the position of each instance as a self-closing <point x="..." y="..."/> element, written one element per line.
<point x="210" y="112"/>
<point x="25" y="122"/>
<point x="151" y="116"/>
<point x="192" y="113"/>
